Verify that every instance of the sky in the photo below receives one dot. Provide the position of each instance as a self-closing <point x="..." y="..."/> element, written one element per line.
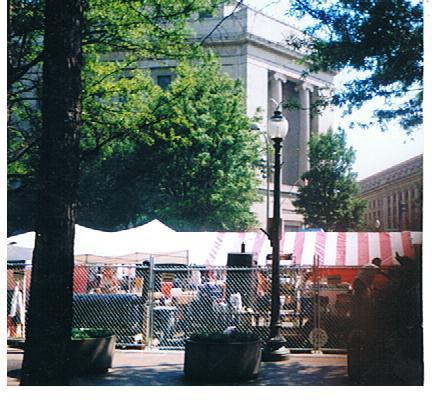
<point x="375" y="149"/>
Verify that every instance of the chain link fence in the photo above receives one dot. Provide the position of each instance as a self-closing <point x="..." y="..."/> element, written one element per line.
<point x="161" y="305"/>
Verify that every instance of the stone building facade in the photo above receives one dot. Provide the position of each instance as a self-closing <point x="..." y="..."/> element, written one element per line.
<point x="252" y="47"/>
<point x="395" y="197"/>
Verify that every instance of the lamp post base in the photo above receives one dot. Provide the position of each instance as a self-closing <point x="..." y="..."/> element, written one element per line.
<point x="274" y="350"/>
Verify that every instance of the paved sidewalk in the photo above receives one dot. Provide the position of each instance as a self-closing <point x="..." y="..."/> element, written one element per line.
<point x="165" y="368"/>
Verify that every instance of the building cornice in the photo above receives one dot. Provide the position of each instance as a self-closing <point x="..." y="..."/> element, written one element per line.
<point x="248" y="38"/>
<point x="405" y="170"/>
<point x="242" y="38"/>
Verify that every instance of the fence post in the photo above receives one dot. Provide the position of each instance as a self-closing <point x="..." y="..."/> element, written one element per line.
<point x="149" y="324"/>
<point x="24" y="303"/>
<point x="316" y="332"/>
<point x="318" y="336"/>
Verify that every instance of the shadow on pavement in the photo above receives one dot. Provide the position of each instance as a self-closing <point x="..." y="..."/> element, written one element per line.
<point x="275" y="374"/>
<point x="133" y="369"/>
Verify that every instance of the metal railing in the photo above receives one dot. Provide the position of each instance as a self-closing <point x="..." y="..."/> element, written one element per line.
<point x="161" y="305"/>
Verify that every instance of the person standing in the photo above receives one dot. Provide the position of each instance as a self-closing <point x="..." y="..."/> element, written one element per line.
<point x="363" y="305"/>
<point x="363" y="282"/>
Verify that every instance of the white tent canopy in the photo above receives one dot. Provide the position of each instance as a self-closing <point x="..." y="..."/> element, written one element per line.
<point x="211" y="248"/>
<point x="17" y="253"/>
<point x="126" y="246"/>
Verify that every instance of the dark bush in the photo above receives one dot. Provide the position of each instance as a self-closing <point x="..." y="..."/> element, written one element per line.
<point x="88" y="333"/>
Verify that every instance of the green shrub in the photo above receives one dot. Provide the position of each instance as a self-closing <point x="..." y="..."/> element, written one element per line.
<point x="88" y="333"/>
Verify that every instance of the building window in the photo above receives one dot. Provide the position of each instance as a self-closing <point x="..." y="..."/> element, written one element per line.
<point x="164" y="81"/>
<point x="205" y="14"/>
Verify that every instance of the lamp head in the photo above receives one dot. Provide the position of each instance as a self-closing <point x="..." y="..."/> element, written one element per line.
<point x="277" y="126"/>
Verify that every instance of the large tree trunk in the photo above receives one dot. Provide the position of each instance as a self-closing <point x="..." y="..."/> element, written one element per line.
<point x="50" y="310"/>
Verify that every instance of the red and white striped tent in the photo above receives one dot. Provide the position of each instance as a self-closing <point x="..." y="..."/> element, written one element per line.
<point x="335" y="249"/>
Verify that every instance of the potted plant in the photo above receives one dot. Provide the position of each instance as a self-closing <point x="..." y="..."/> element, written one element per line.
<point x="92" y="350"/>
<point x="222" y="357"/>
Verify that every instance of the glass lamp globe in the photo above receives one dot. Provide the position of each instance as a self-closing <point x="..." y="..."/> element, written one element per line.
<point x="277" y="126"/>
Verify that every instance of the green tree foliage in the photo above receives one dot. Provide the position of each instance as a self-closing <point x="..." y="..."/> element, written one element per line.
<point x="125" y="115"/>
<point x="382" y="40"/>
<point x="116" y="92"/>
<point x="328" y="200"/>
<point x="194" y="167"/>
<point x="25" y="55"/>
<point x="117" y="34"/>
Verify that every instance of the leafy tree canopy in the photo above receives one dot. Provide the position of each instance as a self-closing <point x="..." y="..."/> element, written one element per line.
<point x="380" y="39"/>
<point x="328" y="199"/>
<point x="120" y="31"/>
<point x="195" y="167"/>
<point x="185" y="155"/>
<point x="122" y="107"/>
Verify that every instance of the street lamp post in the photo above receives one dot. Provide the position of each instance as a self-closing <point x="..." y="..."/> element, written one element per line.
<point x="274" y="349"/>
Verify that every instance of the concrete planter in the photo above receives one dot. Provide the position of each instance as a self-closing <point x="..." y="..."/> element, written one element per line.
<point x="222" y="362"/>
<point x="92" y="355"/>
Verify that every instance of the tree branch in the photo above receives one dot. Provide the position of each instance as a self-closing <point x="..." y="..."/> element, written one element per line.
<point x="16" y="73"/>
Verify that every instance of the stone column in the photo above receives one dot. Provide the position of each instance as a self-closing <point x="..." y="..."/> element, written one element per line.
<point x="385" y="219"/>
<point x="417" y="207"/>
<point x="409" y="207"/>
<point x="304" y="134"/>
<point x="275" y="91"/>
<point x="392" y="223"/>
<point x="314" y="124"/>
